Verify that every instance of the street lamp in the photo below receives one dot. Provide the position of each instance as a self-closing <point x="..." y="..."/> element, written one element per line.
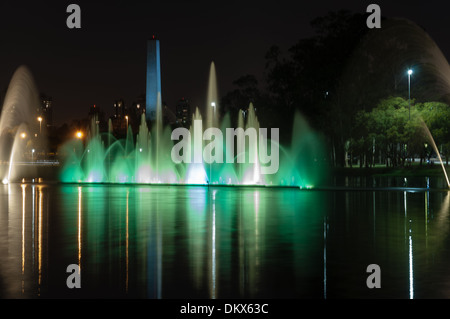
<point x="40" y="124"/>
<point x="409" y="91"/>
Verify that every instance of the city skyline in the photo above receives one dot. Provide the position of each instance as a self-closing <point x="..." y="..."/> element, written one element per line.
<point x="80" y="68"/>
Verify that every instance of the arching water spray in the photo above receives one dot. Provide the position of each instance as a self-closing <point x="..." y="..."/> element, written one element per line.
<point x="18" y="115"/>
<point x="437" y="151"/>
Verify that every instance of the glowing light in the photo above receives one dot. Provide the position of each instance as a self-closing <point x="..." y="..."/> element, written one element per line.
<point x="196" y="175"/>
<point x="79" y="135"/>
<point x="23" y="135"/>
<point x="40" y="124"/>
<point x="5" y="181"/>
<point x="410" y="72"/>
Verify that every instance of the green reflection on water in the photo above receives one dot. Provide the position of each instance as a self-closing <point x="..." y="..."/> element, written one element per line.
<point x="200" y="242"/>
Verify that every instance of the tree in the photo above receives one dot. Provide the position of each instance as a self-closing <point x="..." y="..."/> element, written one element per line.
<point x="399" y="132"/>
<point x="246" y="92"/>
<point x="308" y="80"/>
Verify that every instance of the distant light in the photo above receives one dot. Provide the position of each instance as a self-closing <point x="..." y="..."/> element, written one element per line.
<point x="23" y="135"/>
<point x="33" y="150"/>
<point x="410" y="72"/>
<point x="5" y="181"/>
<point x="79" y="135"/>
<point x="39" y="119"/>
<point x="213" y="104"/>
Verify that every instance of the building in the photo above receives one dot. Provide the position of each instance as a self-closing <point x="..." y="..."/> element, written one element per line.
<point x="120" y="118"/>
<point x="136" y="112"/>
<point x="183" y="113"/>
<point x="153" y="86"/>
<point x="120" y="110"/>
<point x="45" y="112"/>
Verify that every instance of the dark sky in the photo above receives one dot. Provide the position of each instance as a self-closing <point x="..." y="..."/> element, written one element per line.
<point x="106" y="59"/>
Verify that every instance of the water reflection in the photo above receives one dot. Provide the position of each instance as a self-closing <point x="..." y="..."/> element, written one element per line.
<point x="22" y="240"/>
<point x="200" y="242"/>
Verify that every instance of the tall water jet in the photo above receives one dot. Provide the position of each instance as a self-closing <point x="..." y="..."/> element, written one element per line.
<point x="212" y="98"/>
<point x="195" y="172"/>
<point x="158" y="132"/>
<point x="19" y="111"/>
<point x="252" y="171"/>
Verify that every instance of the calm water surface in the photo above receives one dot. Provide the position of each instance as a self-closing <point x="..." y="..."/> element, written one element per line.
<point x="199" y="242"/>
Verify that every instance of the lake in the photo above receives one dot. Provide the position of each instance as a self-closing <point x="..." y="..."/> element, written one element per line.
<point x="142" y="241"/>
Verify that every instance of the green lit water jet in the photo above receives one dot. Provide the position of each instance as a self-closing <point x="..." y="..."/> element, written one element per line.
<point x="146" y="158"/>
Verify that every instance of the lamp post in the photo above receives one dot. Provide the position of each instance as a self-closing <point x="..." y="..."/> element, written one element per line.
<point x="409" y="91"/>
<point x="40" y="124"/>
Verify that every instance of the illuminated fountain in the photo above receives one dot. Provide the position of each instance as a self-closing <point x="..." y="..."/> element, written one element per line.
<point x="17" y="122"/>
<point x="146" y="159"/>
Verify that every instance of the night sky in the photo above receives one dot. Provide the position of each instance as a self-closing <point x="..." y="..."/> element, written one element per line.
<point x="106" y="59"/>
